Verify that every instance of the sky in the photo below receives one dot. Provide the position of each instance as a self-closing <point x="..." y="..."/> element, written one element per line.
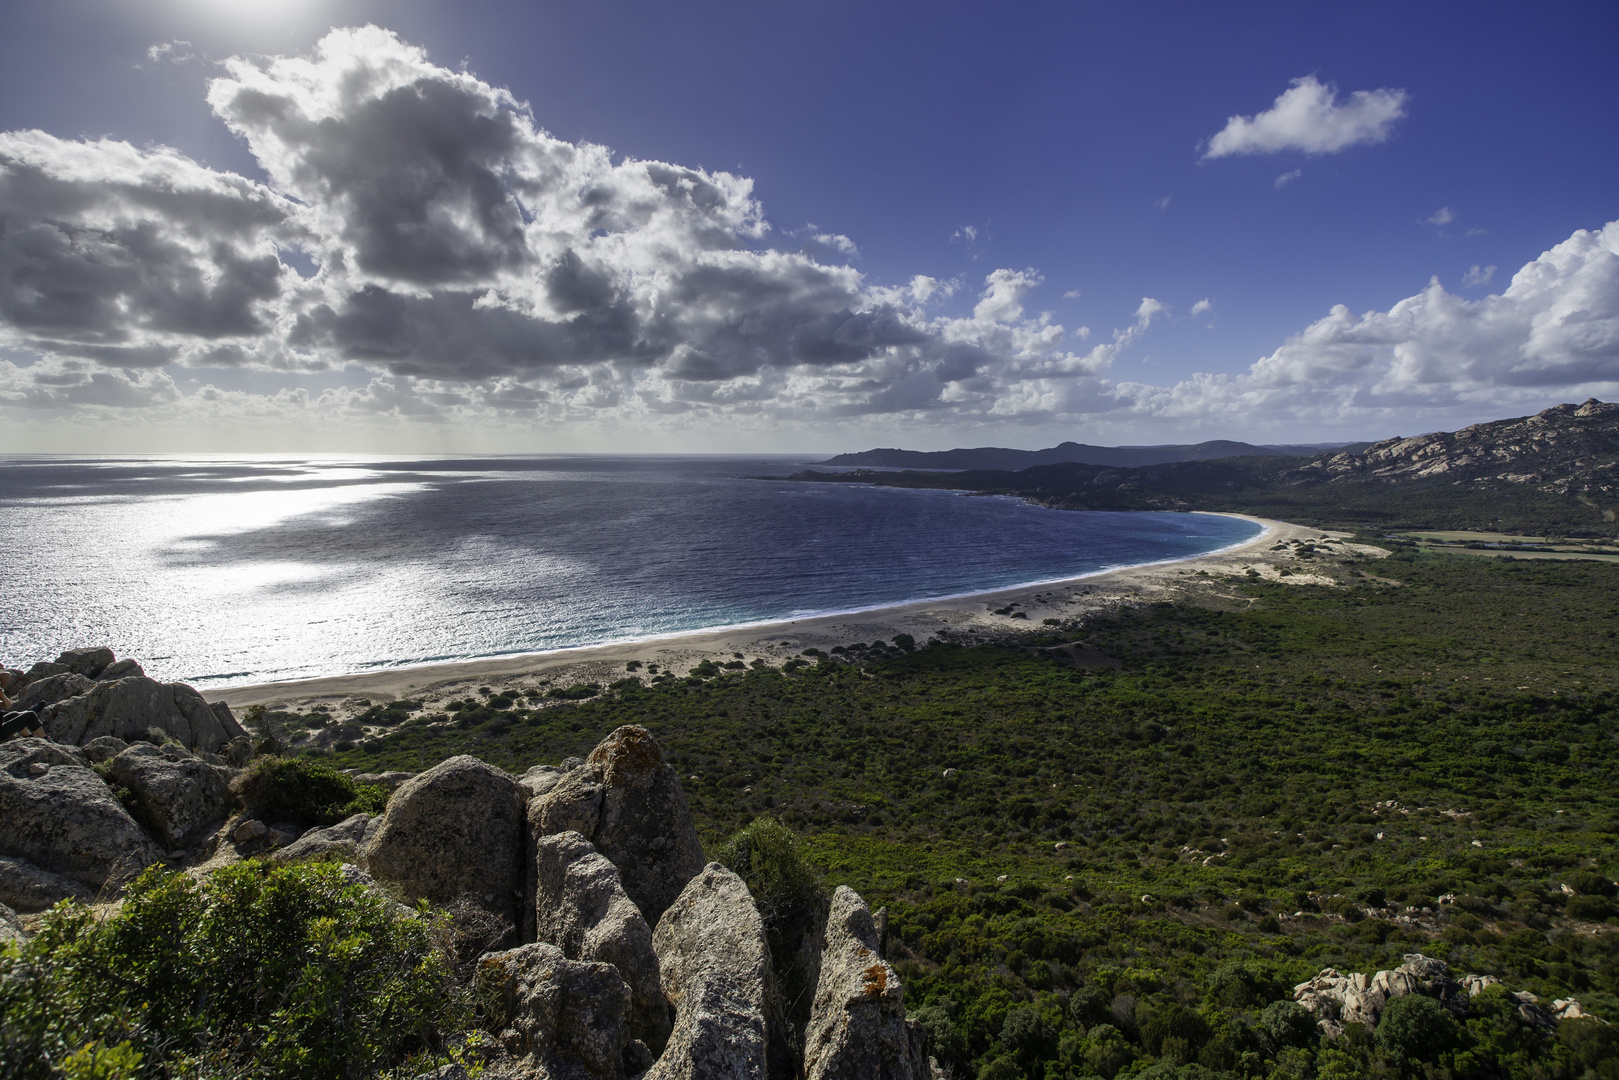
<point x="403" y="226"/>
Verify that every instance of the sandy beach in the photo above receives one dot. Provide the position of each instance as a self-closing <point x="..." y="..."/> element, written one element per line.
<point x="777" y="641"/>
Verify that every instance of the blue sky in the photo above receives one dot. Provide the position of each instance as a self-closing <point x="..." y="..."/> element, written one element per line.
<point x="1040" y="166"/>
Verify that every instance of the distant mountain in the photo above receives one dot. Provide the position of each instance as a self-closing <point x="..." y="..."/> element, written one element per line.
<point x="1554" y="472"/>
<point x="998" y="457"/>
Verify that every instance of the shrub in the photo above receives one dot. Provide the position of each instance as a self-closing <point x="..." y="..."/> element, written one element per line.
<point x="944" y="1041"/>
<point x="306" y="793"/>
<point x="280" y="972"/>
<point x="1285" y="1024"/>
<point x="792" y="904"/>
<point x="1415" y="1027"/>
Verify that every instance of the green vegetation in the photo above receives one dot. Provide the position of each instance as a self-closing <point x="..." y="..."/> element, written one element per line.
<point x="1131" y="866"/>
<point x="257" y="971"/>
<point x="305" y="793"/>
<point x="792" y="904"/>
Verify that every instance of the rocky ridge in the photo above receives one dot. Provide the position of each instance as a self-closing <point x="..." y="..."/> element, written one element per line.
<point x="614" y="952"/>
<point x="1566" y="450"/>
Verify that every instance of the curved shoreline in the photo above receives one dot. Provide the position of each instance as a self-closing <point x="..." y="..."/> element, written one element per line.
<point x="774" y="640"/>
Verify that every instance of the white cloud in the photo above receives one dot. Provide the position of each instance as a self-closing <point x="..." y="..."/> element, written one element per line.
<point x="1163" y="203"/>
<point x="967" y="234"/>
<point x="1308" y="117"/>
<point x="1478" y="275"/>
<point x="1287" y="178"/>
<point x="1148" y="310"/>
<point x="1003" y="300"/>
<point x="837" y="242"/>
<point x="1442" y="216"/>
<point x="1202" y="305"/>
<point x="1553" y="332"/>
<point x="1071" y="294"/>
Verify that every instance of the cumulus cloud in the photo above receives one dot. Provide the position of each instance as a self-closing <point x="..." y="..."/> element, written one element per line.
<point x="1202" y="305"/>
<point x="1478" y="275"/>
<point x="1308" y="116"/>
<point x="445" y="239"/>
<point x="1553" y="330"/>
<point x="1287" y="178"/>
<point x="1442" y="216"/>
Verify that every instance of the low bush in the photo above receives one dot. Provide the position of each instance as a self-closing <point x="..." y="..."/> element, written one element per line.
<point x="257" y="970"/>
<point x="305" y="793"/>
<point x="792" y="902"/>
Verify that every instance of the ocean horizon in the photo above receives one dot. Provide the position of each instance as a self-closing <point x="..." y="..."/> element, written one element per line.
<point x="227" y="570"/>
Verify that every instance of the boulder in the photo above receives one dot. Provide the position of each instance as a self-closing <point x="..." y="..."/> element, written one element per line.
<point x="389" y="780"/>
<point x="857" y="1026"/>
<point x="179" y="794"/>
<point x="627" y="801"/>
<point x="44" y="670"/>
<point x="540" y="779"/>
<point x="66" y="821"/>
<point x="120" y="669"/>
<point x="86" y="662"/>
<point x="716" y="973"/>
<point x="130" y="707"/>
<point x="581" y="907"/>
<point x="455" y="830"/>
<point x="105" y="748"/>
<point x="561" y="1019"/>
<point x="10" y="928"/>
<point x="26" y="887"/>
<point x="48" y="691"/>
<point x="347" y="838"/>
<point x="21" y="757"/>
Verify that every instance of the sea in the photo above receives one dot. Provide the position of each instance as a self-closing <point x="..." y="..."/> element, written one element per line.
<point x="230" y="570"/>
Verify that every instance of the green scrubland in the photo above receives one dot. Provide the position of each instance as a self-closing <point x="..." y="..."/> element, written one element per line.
<point x="1121" y="865"/>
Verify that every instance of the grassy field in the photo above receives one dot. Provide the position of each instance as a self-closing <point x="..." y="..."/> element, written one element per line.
<point x="1125" y="867"/>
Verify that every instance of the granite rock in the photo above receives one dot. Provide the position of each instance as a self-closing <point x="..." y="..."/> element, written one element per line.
<point x="581" y="907"/>
<point x="627" y="801"/>
<point x="130" y="707"/>
<point x="715" y="967"/>
<point x="857" y="1028"/>
<point x="180" y="795"/>
<point x="560" y="1019"/>
<point x="455" y="831"/>
<point x="68" y="822"/>
<point x="25" y="887"/>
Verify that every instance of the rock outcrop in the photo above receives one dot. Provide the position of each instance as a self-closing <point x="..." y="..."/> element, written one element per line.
<point x="627" y="801"/>
<point x="1336" y="998"/>
<point x="581" y="907"/>
<point x="560" y="1019"/>
<point x="347" y="838"/>
<point x="39" y="693"/>
<point x="455" y="831"/>
<point x="25" y="887"/>
<point x="128" y="708"/>
<point x="857" y="1028"/>
<point x="716" y="973"/>
<point x="180" y="795"/>
<point x="64" y="818"/>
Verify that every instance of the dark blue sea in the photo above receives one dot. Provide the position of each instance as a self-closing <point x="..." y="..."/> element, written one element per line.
<point x="229" y="570"/>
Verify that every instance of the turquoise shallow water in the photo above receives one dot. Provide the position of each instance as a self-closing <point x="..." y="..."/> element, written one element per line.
<point x="225" y="571"/>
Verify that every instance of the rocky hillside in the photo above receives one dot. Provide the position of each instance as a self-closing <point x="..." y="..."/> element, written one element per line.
<point x="1565" y="450"/>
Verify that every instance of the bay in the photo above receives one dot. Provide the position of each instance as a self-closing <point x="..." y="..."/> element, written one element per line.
<point x="225" y="571"/>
